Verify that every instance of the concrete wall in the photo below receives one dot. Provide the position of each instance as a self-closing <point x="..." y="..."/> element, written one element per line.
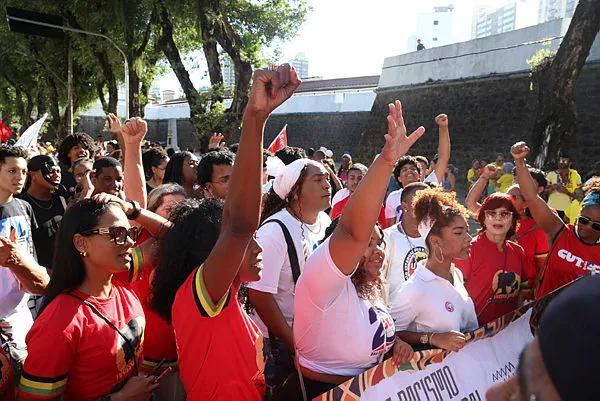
<point x="441" y="64"/>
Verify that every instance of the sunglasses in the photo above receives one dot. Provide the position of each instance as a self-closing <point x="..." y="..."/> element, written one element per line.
<point x="584" y="221"/>
<point x="502" y="214"/>
<point x="117" y="234"/>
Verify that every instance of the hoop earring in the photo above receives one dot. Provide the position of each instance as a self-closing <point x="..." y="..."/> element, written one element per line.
<point x="436" y="256"/>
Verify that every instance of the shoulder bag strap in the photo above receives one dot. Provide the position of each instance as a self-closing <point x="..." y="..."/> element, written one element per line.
<point x="101" y="315"/>
<point x="495" y="292"/>
<point x="516" y="237"/>
<point x="291" y="247"/>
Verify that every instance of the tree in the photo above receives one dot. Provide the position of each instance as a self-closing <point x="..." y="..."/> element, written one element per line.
<point x="555" y="78"/>
<point x="238" y="28"/>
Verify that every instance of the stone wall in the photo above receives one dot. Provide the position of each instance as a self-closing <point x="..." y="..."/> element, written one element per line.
<point x="486" y="116"/>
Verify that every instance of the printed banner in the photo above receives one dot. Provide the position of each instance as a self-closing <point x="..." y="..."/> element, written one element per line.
<point x="490" y="356"/>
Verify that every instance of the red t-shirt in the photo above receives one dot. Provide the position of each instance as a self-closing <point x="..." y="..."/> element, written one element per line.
<point x="570" y="259"/>
<point x="338" y="208"/>
<point x="484" y="276"/>
<point x="220" y="349"/>
<point x="535" y="245"/>
<point x="7" y="389"/>
<point x="73" y="352"/>
<point x="159" y="338"/>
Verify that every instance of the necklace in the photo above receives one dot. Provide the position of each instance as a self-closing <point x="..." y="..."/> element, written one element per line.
<point x="304" y="224"/>
<point x="36" y="202"/>
<point x="401" y="229"/>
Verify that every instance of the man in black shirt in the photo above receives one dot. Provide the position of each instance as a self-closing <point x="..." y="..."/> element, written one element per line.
<point x="48" y="207"/>
<point x="420" y="46"/>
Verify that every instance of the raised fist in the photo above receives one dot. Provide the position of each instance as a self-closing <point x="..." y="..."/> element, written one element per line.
<point x="519" y="150"/>
<point x="442" y="120"/>
<point x="489" y="172"/>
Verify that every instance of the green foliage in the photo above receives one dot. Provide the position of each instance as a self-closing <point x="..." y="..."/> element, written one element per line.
<point x="542" y="57"/>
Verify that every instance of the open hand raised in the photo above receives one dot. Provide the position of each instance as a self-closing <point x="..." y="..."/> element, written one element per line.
<point x="396" y="141"/>
<point x="216" y="141"/>
<point x="271" y="87"/>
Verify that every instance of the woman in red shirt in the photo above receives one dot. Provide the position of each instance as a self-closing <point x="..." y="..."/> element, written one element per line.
<point x="495" y="267"/>
<point x="574" y="248"/>
<point x="87" y="342"/>
<point x="208" y="254"/>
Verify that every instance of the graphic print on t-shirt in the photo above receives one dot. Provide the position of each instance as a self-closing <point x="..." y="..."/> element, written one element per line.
<point x="134" y="332"/>
<point x="505" y="285"/>
<point x="414" y="256"/>
<point x="385" y="333"/>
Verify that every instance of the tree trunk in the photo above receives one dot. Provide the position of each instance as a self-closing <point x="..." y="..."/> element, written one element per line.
<point x="556" y="117"/>
<point x="56" y="128"/>
<point x="111" y="83"/>
<point x="167" y="45"/>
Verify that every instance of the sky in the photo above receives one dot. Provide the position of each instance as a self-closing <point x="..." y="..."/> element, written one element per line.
<point x="346" y="38"/>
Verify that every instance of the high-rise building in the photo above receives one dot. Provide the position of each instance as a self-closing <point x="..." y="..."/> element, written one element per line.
<point x="228" y="71"/>
<point x="300" y="63"/>
<point x="434" y="29"/>
<point x="554" y="9"/>
<point x="489" y="21"/>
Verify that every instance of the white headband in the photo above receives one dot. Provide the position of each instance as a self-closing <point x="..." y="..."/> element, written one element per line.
<point x="287" y="177"/>
<point x="425" y="227"/>
<point x="427" y="224"/>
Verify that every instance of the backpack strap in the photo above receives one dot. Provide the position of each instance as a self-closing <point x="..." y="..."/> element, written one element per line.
<point x="291" y="248"/>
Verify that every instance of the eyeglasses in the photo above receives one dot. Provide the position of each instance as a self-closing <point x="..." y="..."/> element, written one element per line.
<point x="584" y="221"/>
<point x="495" y="214"/>
<point x="117" y="234"/>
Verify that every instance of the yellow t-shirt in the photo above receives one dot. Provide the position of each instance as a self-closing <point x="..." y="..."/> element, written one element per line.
<point x="558" y="200"/>
<point x="472" y="176"/>
<point x="573" y="210"/>
<point x="504" y="182"/>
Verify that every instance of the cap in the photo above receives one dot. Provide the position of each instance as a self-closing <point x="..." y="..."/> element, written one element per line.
<point x="328" y="153"/>
<point x="568" y="333"/>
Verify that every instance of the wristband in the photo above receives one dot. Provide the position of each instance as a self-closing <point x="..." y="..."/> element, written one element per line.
<point x="136" y="210"/>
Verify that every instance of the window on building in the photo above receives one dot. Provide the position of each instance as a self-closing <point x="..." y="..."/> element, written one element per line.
<point x="434" y="39"/>
<point x="435" y="22"/>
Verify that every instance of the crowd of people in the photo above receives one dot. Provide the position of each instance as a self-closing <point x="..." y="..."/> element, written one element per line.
<point x="128" y="272"/>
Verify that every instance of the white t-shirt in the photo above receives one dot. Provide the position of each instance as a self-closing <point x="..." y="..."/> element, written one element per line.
<point x="402" y="254"/>
<point x="393" y="207"/>
<point x="429" y="303"/>
<point x="339" y="196"/>
<point x="277" y="276"/>
<point x="336" y="331"/>
<point x="13" y="306"/>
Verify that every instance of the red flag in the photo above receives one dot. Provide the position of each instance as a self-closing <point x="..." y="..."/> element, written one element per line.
<point x="5" y="132"/>
<point x="280" y="141"/>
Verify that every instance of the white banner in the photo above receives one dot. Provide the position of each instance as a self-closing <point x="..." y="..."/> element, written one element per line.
<point x="465" y="375"/>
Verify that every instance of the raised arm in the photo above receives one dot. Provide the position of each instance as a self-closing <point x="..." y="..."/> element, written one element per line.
<point x="472" y="201"/>
<point x="443" y="147"/>
<point x="540" y="211"/>
<point x="243" y="203"/>
<point x="133" y="133"/>
<point x="32" y="277"/>
<point x="351" y="237"/>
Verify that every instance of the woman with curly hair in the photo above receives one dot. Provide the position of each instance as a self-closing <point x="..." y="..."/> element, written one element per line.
<point x="339" y="295"/>
<point x="206" y="257"/>
<point x="435" y="308"/>
<point x="496" y="266"/>
<point x="73" y="147"/>
<point x="574" y="248"/>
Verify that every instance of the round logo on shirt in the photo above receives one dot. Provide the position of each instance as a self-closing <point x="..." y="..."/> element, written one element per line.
<point x="134" y="332"/>
<point x="449" y="306"/>
<point x="413" y="257"/>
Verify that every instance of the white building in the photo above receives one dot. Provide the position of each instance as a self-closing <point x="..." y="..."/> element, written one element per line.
<point x="433" y="28"/>
<point x="300" y="63"/>
<point x="228" y="71"/>
<point x="553" y="9"/>
<point x="489" y="21"/>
